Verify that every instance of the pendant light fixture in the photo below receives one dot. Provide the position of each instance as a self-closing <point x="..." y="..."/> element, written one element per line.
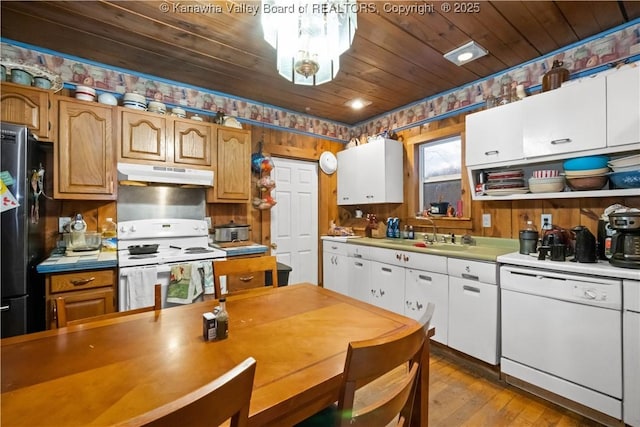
<point x="309" y="36"/>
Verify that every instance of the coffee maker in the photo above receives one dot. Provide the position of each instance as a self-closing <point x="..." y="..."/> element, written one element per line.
<point x="625" y="242"/>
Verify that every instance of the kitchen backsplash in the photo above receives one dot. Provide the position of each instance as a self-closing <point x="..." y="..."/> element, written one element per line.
<point x="160" y="202"/>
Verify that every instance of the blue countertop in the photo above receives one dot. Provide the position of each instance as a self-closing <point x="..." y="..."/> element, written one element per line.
<point x="242" y="250"/>
<point x="59" y="263"/>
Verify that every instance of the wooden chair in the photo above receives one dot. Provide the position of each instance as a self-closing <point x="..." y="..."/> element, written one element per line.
<point x="61" y="311"/>
<point x="379" y="383"/>
<point x="226" y="397"/>
<point x="244" y="273"/>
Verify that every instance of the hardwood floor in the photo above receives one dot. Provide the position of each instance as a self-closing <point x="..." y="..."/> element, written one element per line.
<point x="460" y="394"/>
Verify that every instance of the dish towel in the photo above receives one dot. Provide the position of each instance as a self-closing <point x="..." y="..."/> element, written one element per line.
<point x="196" y="282"/>
<point x="207" y="278"/>
<point x="179" y="290"/>
<point x="140" y="288"/>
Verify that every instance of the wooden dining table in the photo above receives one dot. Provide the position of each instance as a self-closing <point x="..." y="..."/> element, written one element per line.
<point x="106" y="372"/>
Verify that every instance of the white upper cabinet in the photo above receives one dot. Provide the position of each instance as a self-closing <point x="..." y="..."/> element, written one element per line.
<point x="371" y="173"/>
<point x="494" y="135"/>
<point x="566" y="120"/>
<point x="623" y="107"/>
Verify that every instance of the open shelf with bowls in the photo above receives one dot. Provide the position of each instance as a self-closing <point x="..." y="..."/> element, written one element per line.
<point x="618" y="176"/>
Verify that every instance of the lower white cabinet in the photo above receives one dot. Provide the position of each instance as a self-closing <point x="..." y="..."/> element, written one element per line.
<point x="423" y="287"/>
<point x="387" y="286"/>
<point x="473" y="309"/>
<point x="335" y="266"/>
<point x="465" y="292"/>
<point x="359" y="278"/>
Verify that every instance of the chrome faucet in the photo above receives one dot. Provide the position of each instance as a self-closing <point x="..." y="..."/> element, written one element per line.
<point x="435" y="231"/>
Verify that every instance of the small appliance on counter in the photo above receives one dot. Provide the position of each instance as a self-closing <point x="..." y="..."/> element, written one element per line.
<point x="231" y="232"/>
<point x="625" y="242"/>
<point x="528" y="239"/>
<point x="585" y="245"/>
<point x="557" y="240"/>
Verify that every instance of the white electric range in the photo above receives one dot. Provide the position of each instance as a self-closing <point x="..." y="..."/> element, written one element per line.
<point x="180" y="242"/>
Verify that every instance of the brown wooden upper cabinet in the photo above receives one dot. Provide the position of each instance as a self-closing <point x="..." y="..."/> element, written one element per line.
<point x="152" y="138"/>
<point x="85" y="153"/>
<point x="233" y="174"/>
<point x="24" y="105"/>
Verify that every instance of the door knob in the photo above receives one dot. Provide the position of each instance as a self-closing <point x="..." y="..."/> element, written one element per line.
<point x="274" y="246"/>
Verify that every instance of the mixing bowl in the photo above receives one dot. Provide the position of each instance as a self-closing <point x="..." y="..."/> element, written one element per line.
<point x="82" y="241"/>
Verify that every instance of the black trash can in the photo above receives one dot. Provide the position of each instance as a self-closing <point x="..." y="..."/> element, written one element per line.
<point x="283" y="275"/>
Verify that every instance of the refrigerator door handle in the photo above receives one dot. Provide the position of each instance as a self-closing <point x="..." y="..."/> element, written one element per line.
<point x="5" y="308"/>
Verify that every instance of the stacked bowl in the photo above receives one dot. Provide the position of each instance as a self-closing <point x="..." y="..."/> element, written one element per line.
<point x="626" y="172"/>
<point x="546" y="181"/>
<point x="587" y="173"/>
<point x="134" y="101"/>
<point x="85" y="93"/>
<point x="157" y="107"/>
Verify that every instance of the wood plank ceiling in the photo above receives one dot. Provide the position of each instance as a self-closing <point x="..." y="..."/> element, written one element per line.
<point x="395" y="59"/>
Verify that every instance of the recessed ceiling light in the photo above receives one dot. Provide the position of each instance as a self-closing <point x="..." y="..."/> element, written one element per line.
<point x="466" y="53"/>
<point x="357" y="103"/>
<point x="465" y="56"/>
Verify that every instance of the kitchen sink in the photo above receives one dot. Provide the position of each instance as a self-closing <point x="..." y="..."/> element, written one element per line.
<point x="455" y="247"/>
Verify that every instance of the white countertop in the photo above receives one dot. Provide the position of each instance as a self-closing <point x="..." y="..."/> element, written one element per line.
<point x="600" y="268"/>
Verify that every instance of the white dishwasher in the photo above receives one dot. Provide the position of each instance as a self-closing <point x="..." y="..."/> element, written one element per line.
<point x="563" y="333"/>
<point x="631" y="346"/>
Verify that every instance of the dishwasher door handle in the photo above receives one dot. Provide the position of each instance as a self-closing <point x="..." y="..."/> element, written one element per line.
<point x="473" y="289"/>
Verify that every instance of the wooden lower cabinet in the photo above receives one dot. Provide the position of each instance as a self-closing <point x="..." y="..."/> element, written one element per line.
<point x="86" y="293"/>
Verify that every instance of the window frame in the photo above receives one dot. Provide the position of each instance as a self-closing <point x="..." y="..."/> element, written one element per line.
<point x="442" y="178"/>
<point x="412" y="142"/>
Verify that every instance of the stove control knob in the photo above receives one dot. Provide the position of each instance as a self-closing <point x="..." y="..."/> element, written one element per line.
<point x="132" y="229"/>
<point x="123" y="229"/>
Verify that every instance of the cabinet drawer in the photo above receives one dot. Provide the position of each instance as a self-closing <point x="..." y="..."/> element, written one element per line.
<point x="428" y="262"/>
<point x="357" y="251"/>
<point x="486" y="272"/>
<point x="337" y="248"/>
<point x="239" y="282"/>
<point x="81" y="280"/>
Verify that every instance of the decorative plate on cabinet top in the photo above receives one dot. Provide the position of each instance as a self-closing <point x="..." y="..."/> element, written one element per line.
<point x="232" y="122"/>
<point x="35" y="71"/>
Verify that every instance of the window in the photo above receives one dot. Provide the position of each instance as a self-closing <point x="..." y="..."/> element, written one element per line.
<point x="441" y="171"/>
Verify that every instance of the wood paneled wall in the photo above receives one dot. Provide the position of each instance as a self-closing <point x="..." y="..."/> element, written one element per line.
<point x="507" y="217"/>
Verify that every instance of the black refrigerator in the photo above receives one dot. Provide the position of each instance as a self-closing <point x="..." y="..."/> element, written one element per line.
<point x="22" y="161"/>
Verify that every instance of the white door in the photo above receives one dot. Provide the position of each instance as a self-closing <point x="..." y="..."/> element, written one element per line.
<point x="294" y="218"/>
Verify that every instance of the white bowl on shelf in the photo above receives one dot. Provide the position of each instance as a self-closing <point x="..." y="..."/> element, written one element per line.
<point x="546" y="185"/>
<point x="107" y="99"/>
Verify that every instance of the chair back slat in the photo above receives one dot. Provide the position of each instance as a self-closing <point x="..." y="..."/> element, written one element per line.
<point x="385" y="370"/>
<point x="251" y="270"/>
<point x="226" y="397"/>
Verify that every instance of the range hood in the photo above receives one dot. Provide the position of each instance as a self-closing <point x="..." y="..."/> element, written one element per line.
<point x="136" y="174"/>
